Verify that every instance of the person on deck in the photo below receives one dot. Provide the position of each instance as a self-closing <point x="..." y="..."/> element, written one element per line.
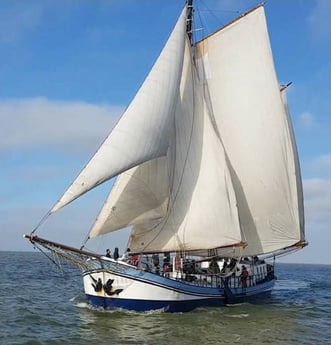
<point x="125" y="256"/>
<point x="178" y="262"/>
<point x="135" y="260"/>
<point x="166" y="259"/>
<point x="108" y="253"/>
<point x="155" y="260"/>
<point x="116" y="254"/>
<point x="213" y="267"/>
<point x="244" y="276"/>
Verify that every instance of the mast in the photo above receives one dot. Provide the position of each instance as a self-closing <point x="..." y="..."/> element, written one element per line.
<point x="189" y="20"/>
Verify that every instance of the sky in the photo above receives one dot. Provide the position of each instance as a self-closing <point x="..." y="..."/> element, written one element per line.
<point x="69" y="68"/>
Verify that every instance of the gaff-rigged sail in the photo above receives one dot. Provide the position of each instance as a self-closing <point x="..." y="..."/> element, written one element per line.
<point x="232" y="166"/>
<point x="243" y="92"/>
<point x="205" y="153"/>
<point x="143" y="131"/>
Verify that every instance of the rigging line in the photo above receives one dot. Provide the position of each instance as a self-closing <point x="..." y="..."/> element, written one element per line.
<point x="48" y="256"/>
<point x="202" y="26"/>
<point x="184" y="165"/>
<point x="87" y="237"/>
<point x="85" y="241"/>
<point x="190" y="138"/>
<point x="42" y="221"/>
<point x="212" y="13"/>
<point x="211" y="113"/>
<point x="164" y="220"/>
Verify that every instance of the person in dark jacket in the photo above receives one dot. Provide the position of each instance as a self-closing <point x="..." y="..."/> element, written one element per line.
<point x="116" y="254"/>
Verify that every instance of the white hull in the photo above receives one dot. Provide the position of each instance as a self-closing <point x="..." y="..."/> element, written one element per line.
<point x="138" y="290"/>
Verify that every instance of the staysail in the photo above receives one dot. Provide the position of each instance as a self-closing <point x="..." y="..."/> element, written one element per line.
<point x="143" y="131"/>
<point x="139" y="195"/>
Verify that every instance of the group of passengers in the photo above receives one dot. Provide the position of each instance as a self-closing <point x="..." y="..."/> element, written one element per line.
<point x="126" y="257"/>
<point x="229" y="265"/>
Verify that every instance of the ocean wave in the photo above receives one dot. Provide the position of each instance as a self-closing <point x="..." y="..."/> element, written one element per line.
<point x="291" y="285"/>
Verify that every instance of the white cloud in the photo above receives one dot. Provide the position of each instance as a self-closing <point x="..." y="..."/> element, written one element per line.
<point x="69" y="126"/>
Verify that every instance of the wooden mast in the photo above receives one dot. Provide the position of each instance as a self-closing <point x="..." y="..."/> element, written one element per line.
<point x="189" y="20"/>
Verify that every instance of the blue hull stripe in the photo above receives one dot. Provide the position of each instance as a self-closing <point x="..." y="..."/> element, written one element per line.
<point x="168" y="306"/>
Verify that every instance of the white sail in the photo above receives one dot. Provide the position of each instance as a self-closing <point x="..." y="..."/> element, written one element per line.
<point x="143" y="131"/>
<point x="139" y="195"/>
<point x="243" y="93"/>
<point x="202" y="207"/>
<point x="297" y="188"/>
<point x="206" y="157"/>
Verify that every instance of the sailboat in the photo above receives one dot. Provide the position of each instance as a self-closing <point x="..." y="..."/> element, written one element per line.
<point x="207" y="178"/>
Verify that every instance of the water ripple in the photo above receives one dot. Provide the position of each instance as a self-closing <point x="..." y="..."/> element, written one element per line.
<point x="50" y="308"/>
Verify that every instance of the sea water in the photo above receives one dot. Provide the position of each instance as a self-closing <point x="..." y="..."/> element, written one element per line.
<point x="40" y="304"/>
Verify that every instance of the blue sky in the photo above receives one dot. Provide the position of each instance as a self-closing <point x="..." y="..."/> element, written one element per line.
<point x="69" y="68"/>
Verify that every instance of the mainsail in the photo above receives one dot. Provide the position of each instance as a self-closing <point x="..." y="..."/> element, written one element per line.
<point x="205" y="153"/>
<point x="243" y="92"/>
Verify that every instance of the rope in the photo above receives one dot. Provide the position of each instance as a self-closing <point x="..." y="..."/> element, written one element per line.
<point x="184" y="165"/>
<point x="42" y="221"/>
<point x="48" y="256"/>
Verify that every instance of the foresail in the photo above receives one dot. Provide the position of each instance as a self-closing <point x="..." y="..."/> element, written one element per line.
<point x="138" y="196"/>
<point x="202" y="212"/>
<point x="142" y="133"/>
<point x="243" y="93"/>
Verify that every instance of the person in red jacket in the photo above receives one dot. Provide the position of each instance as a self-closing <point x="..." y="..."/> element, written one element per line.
<point x="244" y="276"/>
